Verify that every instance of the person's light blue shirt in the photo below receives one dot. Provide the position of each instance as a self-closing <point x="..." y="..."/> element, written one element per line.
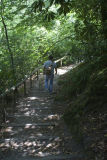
<point x="49" y="63"/>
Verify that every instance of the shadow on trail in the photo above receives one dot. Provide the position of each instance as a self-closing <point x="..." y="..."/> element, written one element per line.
<point x="36" y="130"/>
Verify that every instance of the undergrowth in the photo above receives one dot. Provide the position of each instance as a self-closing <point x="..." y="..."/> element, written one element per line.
<point x="85" y="87"/>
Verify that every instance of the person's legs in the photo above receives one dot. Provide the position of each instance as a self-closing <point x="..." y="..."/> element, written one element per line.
<point x="51" y="84"/>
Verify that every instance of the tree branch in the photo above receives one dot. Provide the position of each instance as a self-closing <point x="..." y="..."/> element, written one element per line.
<point x="7" y="40"/>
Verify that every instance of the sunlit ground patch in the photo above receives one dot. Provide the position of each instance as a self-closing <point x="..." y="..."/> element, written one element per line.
<point x="33" y="98"/>
<point x="52" y="117"/>
<point x="64" y="70"/>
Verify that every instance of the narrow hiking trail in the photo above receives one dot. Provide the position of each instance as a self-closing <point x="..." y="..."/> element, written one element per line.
<point x="36" y="131"/>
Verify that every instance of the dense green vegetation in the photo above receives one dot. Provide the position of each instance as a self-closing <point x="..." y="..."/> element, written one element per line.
<point x="30" y="30"/>
<point x="85" y="90"/>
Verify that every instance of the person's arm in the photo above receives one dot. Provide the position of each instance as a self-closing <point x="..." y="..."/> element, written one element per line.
<point x="56" y="70"/>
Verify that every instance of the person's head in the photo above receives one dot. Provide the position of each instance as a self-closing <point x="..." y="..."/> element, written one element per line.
<point x="50" y="57"/>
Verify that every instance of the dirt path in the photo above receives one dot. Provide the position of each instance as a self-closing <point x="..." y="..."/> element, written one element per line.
<point x="36" y="129"/>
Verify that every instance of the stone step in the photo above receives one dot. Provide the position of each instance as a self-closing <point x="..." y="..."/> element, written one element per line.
<point x="61" y="157"/>
<point x="23" y="108"/>
<point x="36" y="115"/>
<point x="33" y="119"/>
<point x="32" y="112"/>
<point x="27" y="107"/>
<point x="13" y="132"/>
<point x="50" y="157"/>
<point x="39" y="113"/>
<point x="37" y="149"/>
<point x="35" y="104"/>
<point x="28" y="125"/>
<point x="30" y="138"/>
<point x="48" y="116"/>
<point x="45" y="145"/>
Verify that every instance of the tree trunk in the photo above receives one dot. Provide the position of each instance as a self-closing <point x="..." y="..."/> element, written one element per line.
<point x="104" y="16"/>
<point x="7" y="40"/>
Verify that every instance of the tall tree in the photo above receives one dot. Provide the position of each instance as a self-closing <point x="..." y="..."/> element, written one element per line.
<point x="104" y="16"/>
<point x="7" y="40"/>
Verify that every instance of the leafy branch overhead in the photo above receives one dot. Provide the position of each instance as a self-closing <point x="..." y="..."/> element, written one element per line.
<point x="63" y="6"/>
<point x="73" y="27"/>
<point x="37" y="6"/>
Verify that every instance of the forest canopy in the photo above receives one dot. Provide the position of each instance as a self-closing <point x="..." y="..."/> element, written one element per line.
<point x="32" y="29"/>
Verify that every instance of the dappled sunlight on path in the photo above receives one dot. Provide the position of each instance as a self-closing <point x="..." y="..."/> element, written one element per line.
<point x="65" y="69"/>
<point x="36" y="129"/>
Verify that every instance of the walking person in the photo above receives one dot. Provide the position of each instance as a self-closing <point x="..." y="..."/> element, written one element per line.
<point x="49" y="67"/>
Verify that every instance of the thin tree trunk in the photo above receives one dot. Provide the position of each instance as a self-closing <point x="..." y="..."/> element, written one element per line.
<point x="7" y="40"/>
<point x="104" y="16"/>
